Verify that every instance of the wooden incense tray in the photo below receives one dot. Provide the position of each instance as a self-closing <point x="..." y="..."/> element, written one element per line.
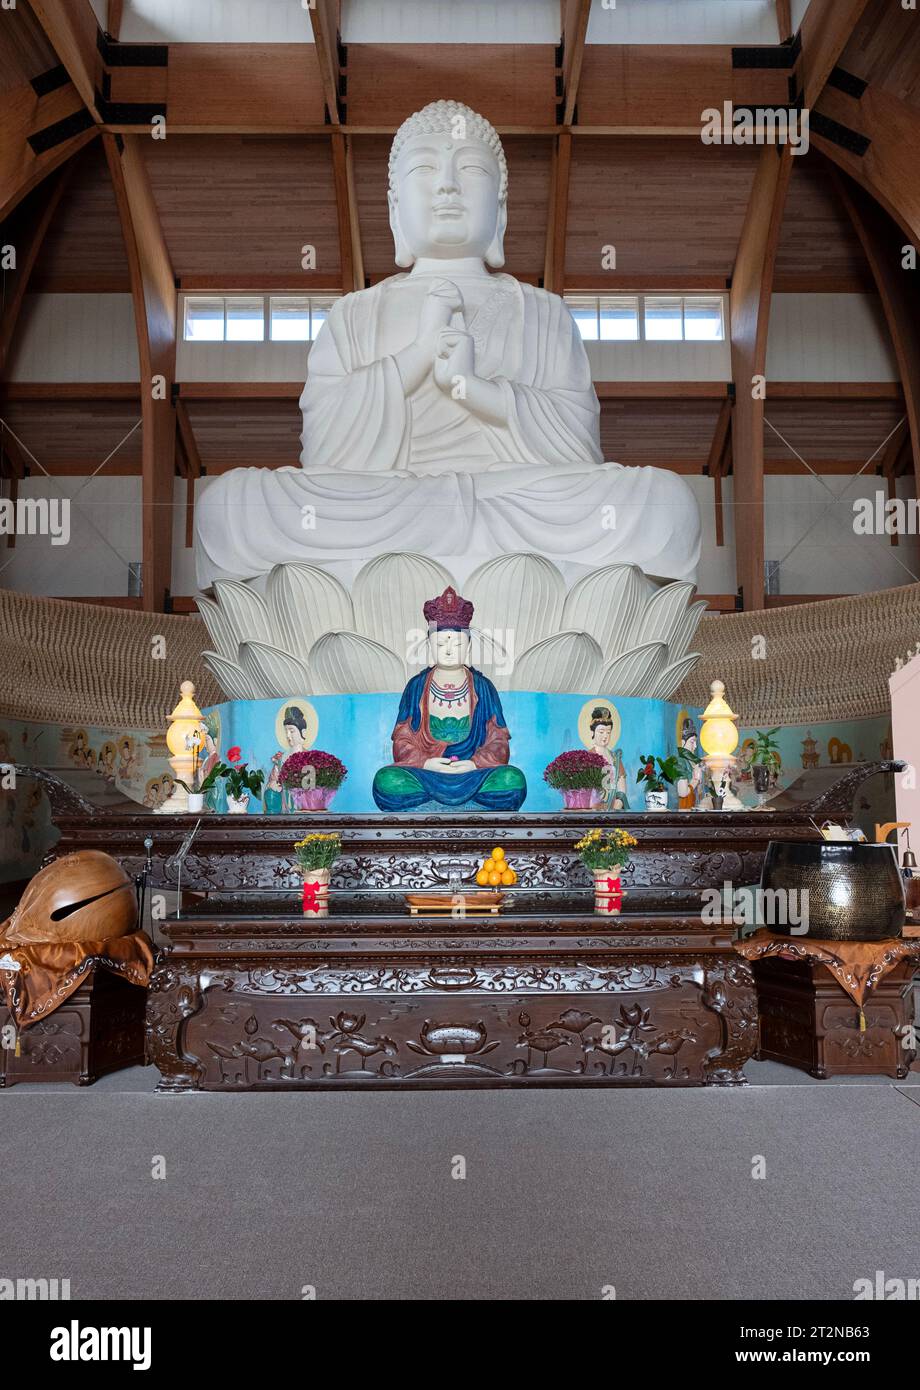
<point x="444" y="904"/>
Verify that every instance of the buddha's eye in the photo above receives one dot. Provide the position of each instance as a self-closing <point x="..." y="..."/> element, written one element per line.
<point x="422" y="168"/>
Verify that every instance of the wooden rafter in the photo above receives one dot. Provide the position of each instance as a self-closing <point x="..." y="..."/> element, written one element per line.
<point x="826" y="29"/>
<point x="575" y="15"/>
<point x="113" y="19"/>
<point x="554" y="265"/>
<point x="71" y="29"/>
<point x="346" y="204"/>
<point x="888" y="168"/>
<point x="29" y="237"/>
<point x="881" y="243"/>
<point x="23" y="114"/>
<point x="784" y="20"/>
<point x="752" y="284"/>
<point x="155" y="301"/>
<point x="324" y="18"/>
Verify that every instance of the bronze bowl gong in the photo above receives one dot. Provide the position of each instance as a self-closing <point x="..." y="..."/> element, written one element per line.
<point x="855" y="890"/>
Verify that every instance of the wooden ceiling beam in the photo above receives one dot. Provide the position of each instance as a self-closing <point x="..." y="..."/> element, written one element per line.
<point x="881" y="242"/>
<point x="346" y="204"/>
<point x="23" y="114"/>
<point x="114" y="15"/>
<point x="188" y="440"/>
<point x="324" y="19"/>
<point x="575" y="15"/>
<point x="784" y="20"/>
<point x="887" y="169"/>
<point x="28" y="238"/>
<point x="826" y="29"/>
<point x="155" y="312"/>
<point x="557" y="224"/>
<point x="71" y="28"/>
<point x="752" y="284"/>
<point x="17" y="460"/>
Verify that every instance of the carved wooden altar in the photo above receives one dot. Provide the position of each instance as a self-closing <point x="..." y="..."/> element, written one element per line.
<point x="248" y="995"/>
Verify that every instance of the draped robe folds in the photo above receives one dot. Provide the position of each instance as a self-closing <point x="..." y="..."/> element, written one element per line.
<point x="381" y="472"/>
<point x="487" y="745"/>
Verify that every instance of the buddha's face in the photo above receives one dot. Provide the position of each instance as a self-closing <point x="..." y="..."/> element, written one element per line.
<point x="450" y="649"/>
<point x="602" y="735"/>
<point x="446" y="203"/>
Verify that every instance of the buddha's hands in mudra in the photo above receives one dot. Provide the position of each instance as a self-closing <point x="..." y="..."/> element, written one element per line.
<point x="455" y="361"/>
<point x="449" y="765"/>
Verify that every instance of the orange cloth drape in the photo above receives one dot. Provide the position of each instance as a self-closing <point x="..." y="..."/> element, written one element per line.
<point x="49" y="972"/>
<point x="857" y="966"/>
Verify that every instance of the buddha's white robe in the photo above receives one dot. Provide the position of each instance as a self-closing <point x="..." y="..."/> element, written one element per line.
<point x="382" y="472"/>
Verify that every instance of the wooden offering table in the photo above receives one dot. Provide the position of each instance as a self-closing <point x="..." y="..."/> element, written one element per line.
<point x="251" y="1001"/>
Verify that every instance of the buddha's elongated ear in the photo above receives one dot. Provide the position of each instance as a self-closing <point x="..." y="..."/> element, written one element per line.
<point x="495" y="256"/>
<point x="401" y="249"/>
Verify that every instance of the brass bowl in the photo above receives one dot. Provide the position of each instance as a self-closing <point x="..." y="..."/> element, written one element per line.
<point x="855" y="890"/>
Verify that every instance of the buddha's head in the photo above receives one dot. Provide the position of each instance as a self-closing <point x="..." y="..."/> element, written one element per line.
<point x="448" y="186"/>
<point x="449" y="617"/>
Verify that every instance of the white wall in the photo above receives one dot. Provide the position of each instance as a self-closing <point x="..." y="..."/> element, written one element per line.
<point x="105" y="535"/>
<point x="905" y="734"/>
<point x="446" y="21"/>
<point x="241" y="361"/>
<point x="829" y="337"/>
<point x="76" y="337"/>
<point x="211" y="21"/>
<point x="684" y="21"/>
<point x="809" y="529"/>
<point x="660" y="361"/>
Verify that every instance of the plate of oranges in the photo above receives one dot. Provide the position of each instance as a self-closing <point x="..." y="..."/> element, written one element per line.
<point x="496" y="872"/>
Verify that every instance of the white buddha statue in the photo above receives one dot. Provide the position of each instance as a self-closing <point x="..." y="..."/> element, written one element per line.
<point x="449" y="410"/>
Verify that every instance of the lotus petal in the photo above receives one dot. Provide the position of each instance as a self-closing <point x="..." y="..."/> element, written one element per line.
<point x="346" y="663"/>
<point x="634" y="672"/>
<point x="569" y="661"/>
<point x="306" y="602"/>
<point x="518" y="598"/>
<point x="389" y="594"/>
<point x="685" y="630"/>
<point x="273" y="670"/>
<point x="233" y="681"/>
<point x="672" y="676"/>
<point x="662" y="614"/>
<point x="219" y="628"/>
<point x="246" y="611"/>
<point x="605" y="604"/>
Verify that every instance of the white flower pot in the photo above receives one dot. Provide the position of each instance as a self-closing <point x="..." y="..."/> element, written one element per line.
<point x="195" y="802"/>
<point x="238" y="806"/>
<point x="656" y="801"/>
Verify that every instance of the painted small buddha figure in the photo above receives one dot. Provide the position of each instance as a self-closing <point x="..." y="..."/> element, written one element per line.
<point x="451" y="742"/>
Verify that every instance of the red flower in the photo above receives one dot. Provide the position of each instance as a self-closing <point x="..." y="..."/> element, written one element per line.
<point x="234" y="754"/>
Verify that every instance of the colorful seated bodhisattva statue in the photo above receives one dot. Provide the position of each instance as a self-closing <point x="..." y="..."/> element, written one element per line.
<point x="451" y="742"/>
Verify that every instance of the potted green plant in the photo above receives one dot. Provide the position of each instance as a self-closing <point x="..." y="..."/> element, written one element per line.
<point x="316" y="855"/>
<point x="242" y="782"/>
<point x="658" y="778"/>
<point x="605" y="853"/>
<point x="765" y="759"/>
<point x="200" y="786"/>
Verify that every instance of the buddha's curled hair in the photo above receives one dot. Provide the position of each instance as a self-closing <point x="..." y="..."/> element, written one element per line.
<point x="455" y="119"/>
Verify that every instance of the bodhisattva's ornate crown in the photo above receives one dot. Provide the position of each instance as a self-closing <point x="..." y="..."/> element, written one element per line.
<point x="449" y="610"/>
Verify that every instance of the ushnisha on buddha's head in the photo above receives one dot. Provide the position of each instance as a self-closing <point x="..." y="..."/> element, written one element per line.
<point x="449" y="617"/>
<point x="448" y="187"/>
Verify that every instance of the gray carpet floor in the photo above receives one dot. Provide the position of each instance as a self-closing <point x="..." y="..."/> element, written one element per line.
<point x="565" y="1193"/>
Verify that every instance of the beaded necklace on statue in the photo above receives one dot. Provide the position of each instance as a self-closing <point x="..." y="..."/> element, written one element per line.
<point x="447" y="694"/>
